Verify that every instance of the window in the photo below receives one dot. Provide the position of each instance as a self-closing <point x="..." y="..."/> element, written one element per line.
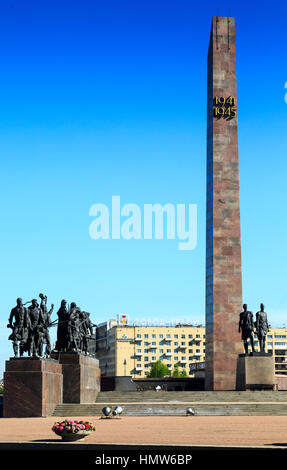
<point x="153" y="336"/>
<point x="139" y="336"/>
<point x="175" y="336"/>
<point x="183" y="336"/>
<point x="183" y="343"/>
<point x="146" y="358"/>
<point x="139" y="350"/>
<point x="160" y="336"/>
<point x="153" y="358"/>
<point x="146" y="350"/>
<point x="175" y="358"/>
<point x="176" y="343"/>
<point x="146" y="336"/>
<point x="154" y="343"/>
<point x="168" y="350"/>
<point x="161" y="351"/>
<point x="146" y="343"/>
<point x="190" y="336"/>
<point x="168" y="336"/>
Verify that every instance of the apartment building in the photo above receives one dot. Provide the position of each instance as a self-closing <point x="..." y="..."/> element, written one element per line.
<point x="124" y="349"/>
<point x="131" y="350"/>
<point x="276" y="344"/>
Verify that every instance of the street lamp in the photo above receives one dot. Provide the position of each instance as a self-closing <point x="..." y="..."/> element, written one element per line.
<point x="125" y="367"/>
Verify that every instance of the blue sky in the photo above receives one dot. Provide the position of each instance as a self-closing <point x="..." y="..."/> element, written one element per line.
<point x="109" y="98"/>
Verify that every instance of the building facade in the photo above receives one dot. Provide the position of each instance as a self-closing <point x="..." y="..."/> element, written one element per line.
<point x="131" y="350"/>
<point x="276" y="344"/>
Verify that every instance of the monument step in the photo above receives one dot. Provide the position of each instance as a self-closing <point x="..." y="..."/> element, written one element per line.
<point x="216" y="396"/>
<point x="176" y="409"/>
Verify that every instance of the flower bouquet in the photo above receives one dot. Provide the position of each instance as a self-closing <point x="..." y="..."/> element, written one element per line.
<point x="72" y="430"/>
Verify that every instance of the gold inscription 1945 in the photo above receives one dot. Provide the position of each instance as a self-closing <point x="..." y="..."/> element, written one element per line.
<point x="224" y="107"/>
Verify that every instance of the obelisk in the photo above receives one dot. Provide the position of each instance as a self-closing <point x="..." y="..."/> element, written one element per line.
<point x="223" y="244"/>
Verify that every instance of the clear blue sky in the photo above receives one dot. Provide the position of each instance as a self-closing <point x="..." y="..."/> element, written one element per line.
<point x="109" y="98"/>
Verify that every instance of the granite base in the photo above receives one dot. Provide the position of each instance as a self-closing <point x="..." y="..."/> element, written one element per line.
<point x="255" y="371"/>
<point x="32" y="387"/>
<point x="81" y="377"/>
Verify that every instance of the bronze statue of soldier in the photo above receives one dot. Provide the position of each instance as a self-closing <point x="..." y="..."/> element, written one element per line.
<point x="20" y="328"/>
<point x="62" y="330"/>
<point x="74" y="328"/>
<point x="246" y="326"/>
<point x="35" y="332"/>
<point x="86" y="331"/>
<point x="45" y="324"/>
<point x="262" y="327"/>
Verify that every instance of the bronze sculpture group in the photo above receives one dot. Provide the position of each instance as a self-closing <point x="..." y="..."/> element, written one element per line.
<point x="74" y="328"/>
<point x="30" y="328"/>
<point x="248" y="328"/>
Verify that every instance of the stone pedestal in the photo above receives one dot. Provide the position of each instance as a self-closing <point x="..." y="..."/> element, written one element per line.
<point x="81" y="378"/>
<point x="32" y="387"/>
<point x="255" y="372"/>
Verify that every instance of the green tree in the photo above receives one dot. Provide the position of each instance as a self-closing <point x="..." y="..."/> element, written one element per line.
<point x="178" y="373"/>
<point x="158" y="369"/>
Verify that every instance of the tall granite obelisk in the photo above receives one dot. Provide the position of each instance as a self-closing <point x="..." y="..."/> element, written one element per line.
<point x="223" y="245"/>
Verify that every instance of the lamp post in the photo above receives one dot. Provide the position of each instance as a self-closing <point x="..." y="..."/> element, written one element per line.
<point x="125" y="367"/>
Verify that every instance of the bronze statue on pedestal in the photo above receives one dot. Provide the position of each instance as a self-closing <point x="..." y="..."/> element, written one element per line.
<point x="246" y="326"/>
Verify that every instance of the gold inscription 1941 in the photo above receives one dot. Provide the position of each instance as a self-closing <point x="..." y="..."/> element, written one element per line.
<point x="224" y="107"/>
